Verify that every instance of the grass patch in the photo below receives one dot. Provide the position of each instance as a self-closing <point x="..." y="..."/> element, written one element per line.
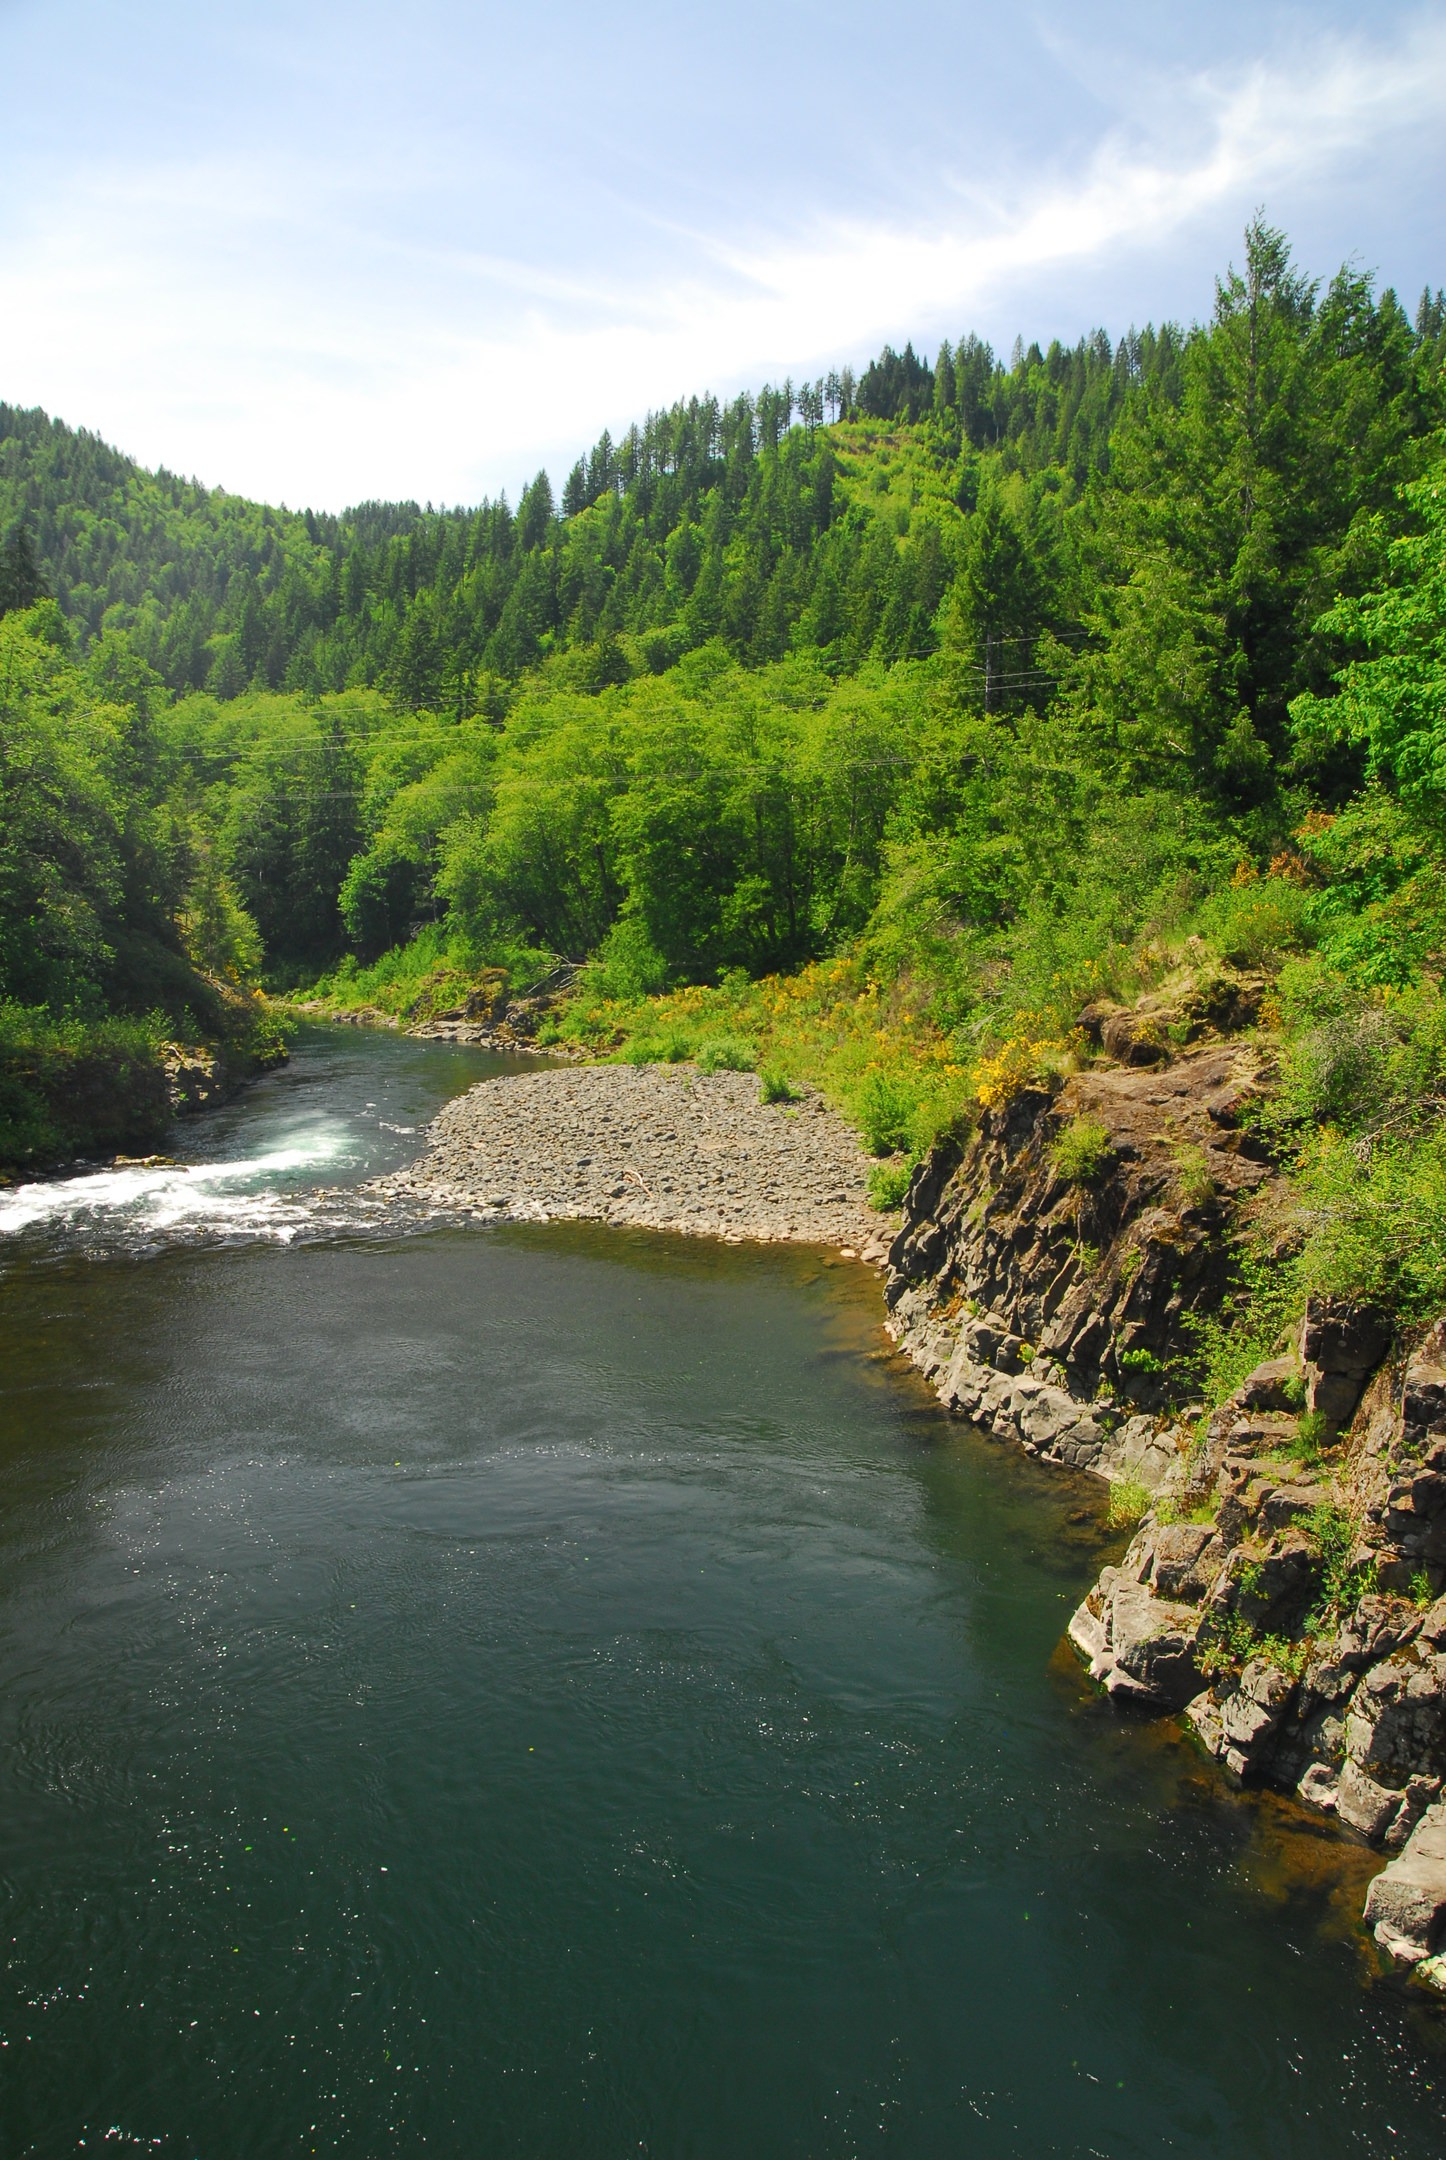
<point x="1193" y="1176"/>
<point x="1312" y="1433"/>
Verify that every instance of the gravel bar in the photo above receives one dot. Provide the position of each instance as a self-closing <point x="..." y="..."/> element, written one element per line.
<point x="660" y="1146"/>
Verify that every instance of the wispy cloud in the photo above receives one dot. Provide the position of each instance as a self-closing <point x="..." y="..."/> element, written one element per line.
<point x="203" y="317"/>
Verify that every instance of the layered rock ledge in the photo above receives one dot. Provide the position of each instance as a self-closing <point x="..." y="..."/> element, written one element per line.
<point x="663" y="1147"/>
<point x="1284" y="1591"/>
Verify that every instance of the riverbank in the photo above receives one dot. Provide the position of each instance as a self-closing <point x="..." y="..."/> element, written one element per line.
<point x="1059" y="1279"/>
<point x="660" y="1147"/>
<point x="1047" y="1277"/>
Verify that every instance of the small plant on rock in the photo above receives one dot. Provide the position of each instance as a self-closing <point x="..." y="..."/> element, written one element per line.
<point x="1344" y="1579"/>
<point x="1141" y="1361"/>
<point x="1129" y="1500"/>
<point x="775" y="1087"/>
<point x="1194" y="1176"/>
<point x="1082" y="1151"/>
<point x="1312" y="1433"/>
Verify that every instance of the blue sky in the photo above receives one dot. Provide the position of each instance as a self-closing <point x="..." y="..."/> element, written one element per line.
<point x="320" y="252"/>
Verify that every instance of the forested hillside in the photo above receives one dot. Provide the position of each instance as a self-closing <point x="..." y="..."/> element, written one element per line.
<point x="751" y="521"/>
<point x="960" y="687"/>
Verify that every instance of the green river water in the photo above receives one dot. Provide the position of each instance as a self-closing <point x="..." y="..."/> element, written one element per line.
<point x="554" y="1692"/>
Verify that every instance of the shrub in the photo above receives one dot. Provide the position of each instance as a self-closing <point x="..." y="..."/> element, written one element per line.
<point x="1082" y="1151"/>
<point x="884" y="1108"/>
<point x="1139" y="1361"/>
<point x="69" y="1086"/>
<point x="627" y="964"/>
<point x="727" y="1053"/>
<point x="888" y="1183"/>
<point x="1128" y="1501"/>
<point x="1376" y="1220"/>
<point x="774" y="1086"/>
<point x="1257" y="922"/>
<point x="656" y="1050"/>
<point x="1332" y="1534"/>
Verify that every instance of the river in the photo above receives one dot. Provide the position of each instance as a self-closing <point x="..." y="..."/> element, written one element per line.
<point x="548" y="1691"/>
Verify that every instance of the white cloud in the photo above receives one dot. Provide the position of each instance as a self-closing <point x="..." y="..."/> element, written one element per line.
<point x="203" y="319"/>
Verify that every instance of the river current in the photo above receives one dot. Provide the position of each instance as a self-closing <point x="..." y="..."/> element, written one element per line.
<point x="547" y="1691"/>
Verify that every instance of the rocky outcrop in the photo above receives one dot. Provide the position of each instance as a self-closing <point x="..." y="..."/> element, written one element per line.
<point x="494" y="1020"/>
<point x="1284" y="1588"/>
<point x="1300" y="1622"/>
<point x="1406" y="1904"/>
<point x="1049" y="1308"/>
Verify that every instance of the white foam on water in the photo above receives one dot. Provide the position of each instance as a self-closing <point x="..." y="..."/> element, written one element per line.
<point x="232" y="1197"/>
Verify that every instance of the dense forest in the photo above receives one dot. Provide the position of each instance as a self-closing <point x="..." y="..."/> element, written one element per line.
<point x="752" y="522"/>
<point x="934" y="699"/>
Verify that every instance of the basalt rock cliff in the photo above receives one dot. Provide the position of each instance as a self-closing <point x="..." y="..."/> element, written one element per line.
<point x="1283" y="1590"/>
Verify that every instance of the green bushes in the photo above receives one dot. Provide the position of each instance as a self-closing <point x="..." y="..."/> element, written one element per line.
<point x="71" y="1087"/>
<point x="884" y="1107"/>
<point x="888" y="1183"/>
<point x="1082" y="1151"/>
<point x="1376" y="1221"/>
<point x="1345" y="1579"/>
<point x="1143" y="1362"/>
<point x="727" y="1053"/>
<point x="775" y="1086"/>
<point x="656" y="1050"/>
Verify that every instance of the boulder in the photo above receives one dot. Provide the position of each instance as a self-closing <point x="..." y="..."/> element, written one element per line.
<point x="1341" y="1344"/>
<point x="1397" y="1723"/>
<point x="1136" y="1038"/>
<point x="1406" y="1904"/>
<point x="1142" y="1648"/>
<point x="1152" y="1641"/>
<point x="1362" y="1803"/>
<point x="1177" y="1571"/>
<point x="1423" y="1394"/>
<point x="1339" y="1337"/>
<point x="1275" y="1385"/>
<point x="1319" y="1787"/>
<point x="1416" y="1513"/>
<point x="1251" y="1712"/>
